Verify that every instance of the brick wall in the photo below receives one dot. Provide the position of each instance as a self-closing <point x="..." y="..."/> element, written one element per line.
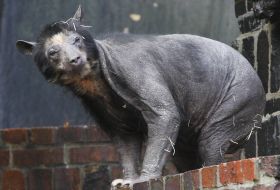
<point x="65" y="158"/>
<point x="59" y="158"/>
<point x="259" y="42"/>
<point x="255" y="173"/>
<point x="76" y="158"/>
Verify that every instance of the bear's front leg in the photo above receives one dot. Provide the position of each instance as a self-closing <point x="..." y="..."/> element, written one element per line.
<point x="130" y="150"/>
<point x="162" y="135"/>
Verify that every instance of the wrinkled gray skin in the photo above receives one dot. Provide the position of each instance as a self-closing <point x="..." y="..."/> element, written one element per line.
<point x="195" y="92"/>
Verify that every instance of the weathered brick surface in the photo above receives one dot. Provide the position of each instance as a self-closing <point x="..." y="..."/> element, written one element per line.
<point x="248" y="168"/>
<point x="270" y="166"/>
<point x="38" y="157"/>
<point x="196" y="179"/>
<point x="43" y="136"/>
<point x="187" y="181"/>
<point x="67" y="178"/>
<point x="263" y="58"/>
<point x="143" y="186"/>
<point x="13" y="180"/>
<point x="275" y="58"/>
<point x="272" y="106"/>
<point x="173" y="182"/>
<point x="209" y="177"/>
<point x="72" y="134"/>
<point x="93" y="154"/>
<point x="156" y="184"/>
<point x="248" y="23"/>
<point x="95" y="134"/>
<point x="15" y="136"/>
<point x="267" y="143"/>
<point x="231" y="173"/>
<point x="248" y="49"/>
<point x="240" y="7"/>
<point x="4" y="158"/>
<point x="40" y="179"/>
<point x="224" y="174"/>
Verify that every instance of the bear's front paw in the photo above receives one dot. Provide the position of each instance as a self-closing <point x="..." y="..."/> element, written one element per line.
<point x="121" y="184"/>
<point x="127" y="184"/>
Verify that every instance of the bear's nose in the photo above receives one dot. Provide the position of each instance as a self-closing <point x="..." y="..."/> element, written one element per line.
<point x="76" y="60"/>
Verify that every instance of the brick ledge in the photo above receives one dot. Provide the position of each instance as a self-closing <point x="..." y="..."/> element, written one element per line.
<point x="256" y="173"/>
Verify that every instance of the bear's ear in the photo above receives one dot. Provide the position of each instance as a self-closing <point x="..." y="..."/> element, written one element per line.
<point x="79" y="14"/>
<point x="25" y="47"/>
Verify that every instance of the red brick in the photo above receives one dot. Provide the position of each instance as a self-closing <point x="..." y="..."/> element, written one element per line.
<point x="195" y="179"/>
<point x="4" y="158"/>
<point x="43" y="136"/>
<point x="238" y="174"/>
<point x="40" y="179"/>
<point x="95" y="134"/>
<point x="209" y="177"/>
<point x="231" y="172"/>
<point x="156" y="184"/>
<point x="116" y="172"/>
<point x="33" y="157"/>
<point x="141" y="186"/>
<point x="106" y="153"/>
<point x="13" y="180"/>
<point x="72" y="134"/>
<point x="15" y="136"/>
<point x="248" y="168"/>
<point x="67" y="179"/>
<point x="223" y="171"/>
<point x="172" y="182"/>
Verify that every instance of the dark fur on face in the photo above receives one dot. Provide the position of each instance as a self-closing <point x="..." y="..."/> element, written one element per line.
<point x="49" y="72"/>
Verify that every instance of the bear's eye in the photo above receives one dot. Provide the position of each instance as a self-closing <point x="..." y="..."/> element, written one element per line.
<point x="52" y="52"/>
<point x="77" y="40"/>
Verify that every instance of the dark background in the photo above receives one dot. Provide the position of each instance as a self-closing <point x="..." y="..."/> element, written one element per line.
<point x="27" y="100"/>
